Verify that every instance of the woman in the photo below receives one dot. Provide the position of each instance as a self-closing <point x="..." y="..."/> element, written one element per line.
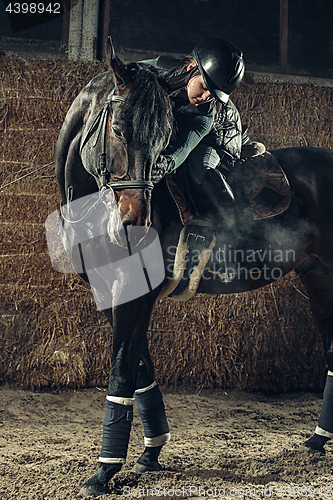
<point x="210" y="137"/>
<point x="209" y="126"/>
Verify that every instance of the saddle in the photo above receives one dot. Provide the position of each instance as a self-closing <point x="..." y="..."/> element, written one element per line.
<point x="263" y="182"/>
<point x="267" y="190"/>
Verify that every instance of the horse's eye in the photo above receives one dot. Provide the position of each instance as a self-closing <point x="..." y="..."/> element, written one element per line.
<point x="118" y="134"/>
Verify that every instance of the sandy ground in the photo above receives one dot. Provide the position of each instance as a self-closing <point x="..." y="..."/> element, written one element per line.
<point x="230" y="445"/>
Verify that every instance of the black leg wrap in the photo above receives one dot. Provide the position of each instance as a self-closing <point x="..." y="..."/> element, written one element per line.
<point x="116" y="432"/>
<point x="151" y="409"/>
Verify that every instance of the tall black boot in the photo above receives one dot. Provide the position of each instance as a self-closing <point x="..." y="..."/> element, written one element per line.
<point x="233" y="221"/>
<point x="215" y="199"/>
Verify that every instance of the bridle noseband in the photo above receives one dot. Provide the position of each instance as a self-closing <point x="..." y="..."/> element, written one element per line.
<point x="101" y="122"/>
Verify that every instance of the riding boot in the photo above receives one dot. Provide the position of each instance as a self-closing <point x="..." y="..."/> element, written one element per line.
<point x="215" y="198"/>
<point x="233" y="222"/>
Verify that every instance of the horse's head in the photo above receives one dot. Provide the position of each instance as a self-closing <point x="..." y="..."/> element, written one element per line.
<point x="139" y="126"/>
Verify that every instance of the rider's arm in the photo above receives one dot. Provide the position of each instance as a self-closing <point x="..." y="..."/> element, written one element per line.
<point x="192" y="126"/>
<point x="190" y="132"/>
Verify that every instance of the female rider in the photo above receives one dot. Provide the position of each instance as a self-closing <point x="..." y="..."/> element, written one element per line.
<point x="209" y="126"/>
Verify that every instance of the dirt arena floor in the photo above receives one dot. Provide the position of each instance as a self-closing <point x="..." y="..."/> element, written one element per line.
<point x="232" y="445"/>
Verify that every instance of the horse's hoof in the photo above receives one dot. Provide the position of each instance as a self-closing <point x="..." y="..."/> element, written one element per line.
<point x="152" y="466"/>
<point x="94" y="490"/>
<point x="313" y="451"/>
<point x="98" y="484"/>
<point x="315" y="445"/>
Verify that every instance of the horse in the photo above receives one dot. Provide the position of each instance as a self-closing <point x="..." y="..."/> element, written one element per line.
<point x="113" y="134"/>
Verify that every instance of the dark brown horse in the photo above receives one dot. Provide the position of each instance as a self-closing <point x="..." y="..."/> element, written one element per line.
<point x="112" y="135"/>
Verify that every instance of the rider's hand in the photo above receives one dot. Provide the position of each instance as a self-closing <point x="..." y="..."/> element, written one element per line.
<point x="164" y="166"/>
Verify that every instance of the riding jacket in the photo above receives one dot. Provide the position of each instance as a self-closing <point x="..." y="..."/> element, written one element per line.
<point x="217" y="126"/>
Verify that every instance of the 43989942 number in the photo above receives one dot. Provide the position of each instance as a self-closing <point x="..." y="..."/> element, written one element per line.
<point x="33" y="8"/>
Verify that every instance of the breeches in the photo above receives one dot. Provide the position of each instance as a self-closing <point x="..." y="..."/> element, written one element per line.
<point x="200" y="160"/>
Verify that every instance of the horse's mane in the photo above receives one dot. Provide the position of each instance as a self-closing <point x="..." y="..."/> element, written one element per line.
<point x="153" y="121"/>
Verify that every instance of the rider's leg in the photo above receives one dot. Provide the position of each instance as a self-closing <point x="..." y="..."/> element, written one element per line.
<point x="211" y="193"/>
<point x="227" y="208"/>
<point x="213" y="196"/>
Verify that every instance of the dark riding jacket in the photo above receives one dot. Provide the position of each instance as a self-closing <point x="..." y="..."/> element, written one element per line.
<point x="217" y="126"/>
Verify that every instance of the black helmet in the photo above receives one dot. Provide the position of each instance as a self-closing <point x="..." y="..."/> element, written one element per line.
<point x="221" y="65"/>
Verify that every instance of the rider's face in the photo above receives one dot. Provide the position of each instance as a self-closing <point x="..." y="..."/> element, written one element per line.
<point x="197" y="91"/>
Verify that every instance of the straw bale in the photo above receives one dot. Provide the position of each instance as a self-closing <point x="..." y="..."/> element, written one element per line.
<point x="29" y="146"/>
<point x="52" y="348"/>
<point x="42" y="183"/>
<point x="286" y="115"/>
<point x="22" y="299"/>
<point x="261" y="340"/>
<point x="27" y="208"/>
<point x="34" y="92"/>
<point x="31" y="269"/>
<point x="22" y="239"/>
<point x="51" y="334"/>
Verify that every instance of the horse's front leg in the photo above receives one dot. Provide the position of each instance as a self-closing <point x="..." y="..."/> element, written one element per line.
<point x="130" y="323"/>
<point x="150" y="406"/>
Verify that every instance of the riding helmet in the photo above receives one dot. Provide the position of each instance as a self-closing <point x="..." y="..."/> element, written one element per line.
<point x="221" y="65"/>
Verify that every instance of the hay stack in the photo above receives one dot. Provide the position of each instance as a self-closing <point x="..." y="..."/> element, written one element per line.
<point x="50" y="332"/>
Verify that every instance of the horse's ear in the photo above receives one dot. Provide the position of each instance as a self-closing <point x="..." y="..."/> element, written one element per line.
<point x="115" y="64"/>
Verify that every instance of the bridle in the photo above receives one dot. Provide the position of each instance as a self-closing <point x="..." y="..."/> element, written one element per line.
<point x="101" y="123"/>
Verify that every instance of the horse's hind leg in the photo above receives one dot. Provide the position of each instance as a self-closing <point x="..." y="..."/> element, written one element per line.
<point x="151" y="410"/>
<point x="320" y="292"/>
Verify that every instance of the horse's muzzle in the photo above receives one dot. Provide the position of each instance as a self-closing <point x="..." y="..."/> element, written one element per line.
<point x="126" y="209"/>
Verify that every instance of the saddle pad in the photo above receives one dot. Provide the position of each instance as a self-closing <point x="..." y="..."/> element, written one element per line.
<point x="265" y="184"/>
<point x="196" y="242"/>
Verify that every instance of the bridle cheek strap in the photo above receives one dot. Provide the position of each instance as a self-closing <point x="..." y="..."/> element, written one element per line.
<point x="101" y="122"/>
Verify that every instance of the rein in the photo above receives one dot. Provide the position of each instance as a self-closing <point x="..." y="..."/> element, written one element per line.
<point x="101" y="122"/>
<point x="26" y="175"/>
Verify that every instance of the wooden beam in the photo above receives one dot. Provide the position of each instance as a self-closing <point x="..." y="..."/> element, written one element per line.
<point x="284" y="33"/>
<point x="103" y="28"/>
<point x="65" y="22"/>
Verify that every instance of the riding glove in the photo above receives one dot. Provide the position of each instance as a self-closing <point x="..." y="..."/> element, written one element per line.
<point x="163" y="166"/>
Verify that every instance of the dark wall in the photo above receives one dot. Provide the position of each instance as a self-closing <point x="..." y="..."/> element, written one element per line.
<point x="177" y="25"/>
<point x="253" y="25"/>
<point x="47" y="26"/>
<point x="311" y="34"/>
